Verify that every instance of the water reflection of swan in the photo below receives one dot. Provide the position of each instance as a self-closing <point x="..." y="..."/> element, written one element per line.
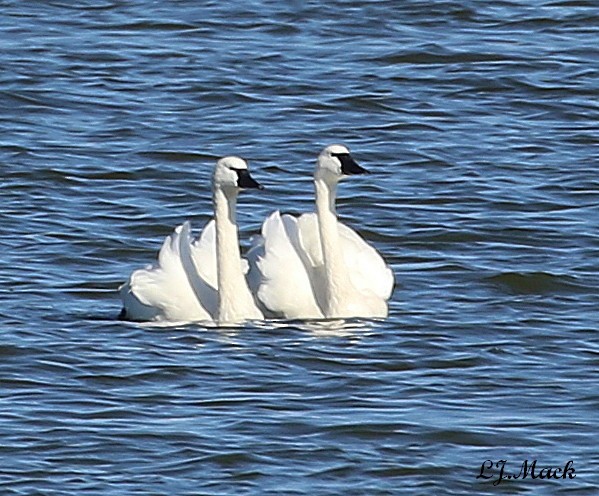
<point x="352" y="328"/>
<point x="203" y="279"/>
<point x="314" y="266"/>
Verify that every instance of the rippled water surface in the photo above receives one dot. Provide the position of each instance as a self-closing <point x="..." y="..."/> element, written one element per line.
<point x="479" y="122"/>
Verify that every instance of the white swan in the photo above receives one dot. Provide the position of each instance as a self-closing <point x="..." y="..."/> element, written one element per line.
<point x="314" y="266"/>
<point x="203" y="279"/>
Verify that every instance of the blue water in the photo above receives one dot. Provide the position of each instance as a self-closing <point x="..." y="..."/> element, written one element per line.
<point x="480" y="124"/>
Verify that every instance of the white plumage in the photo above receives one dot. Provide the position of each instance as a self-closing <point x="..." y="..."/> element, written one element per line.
<point x="203" y="279"/>
<point x="314" y="266"/>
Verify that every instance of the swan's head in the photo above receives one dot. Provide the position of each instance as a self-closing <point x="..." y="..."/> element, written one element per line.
<point x="335" y="162"/>
<point x="232" y="174"/>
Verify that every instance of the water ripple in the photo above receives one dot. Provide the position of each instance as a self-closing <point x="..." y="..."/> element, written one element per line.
<point x="478" y="122"/>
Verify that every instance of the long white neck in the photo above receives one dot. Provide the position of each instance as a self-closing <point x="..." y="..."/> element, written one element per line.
<point x="231" y="281"/>
<point x="336" y="278"/>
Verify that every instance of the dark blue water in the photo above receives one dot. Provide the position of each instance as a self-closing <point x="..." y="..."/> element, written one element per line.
<point x="480" y="124"/>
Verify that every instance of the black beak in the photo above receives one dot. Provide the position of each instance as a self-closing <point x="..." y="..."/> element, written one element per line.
<point x="349" y="166"/>
<point x="244" y="180"/>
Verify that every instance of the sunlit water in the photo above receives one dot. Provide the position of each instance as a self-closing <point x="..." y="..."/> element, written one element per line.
<point x="479" y="123"/>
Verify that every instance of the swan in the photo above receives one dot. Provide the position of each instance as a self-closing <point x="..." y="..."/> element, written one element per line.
<point x="313" y="266"/>
<point x="202" y="279"/>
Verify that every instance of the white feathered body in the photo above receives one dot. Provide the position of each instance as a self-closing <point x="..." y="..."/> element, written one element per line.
<point x="314" y="266"/>
<point x="182" y="286"/>
<point x="290" y="277"/>
<point x="203" y="279"/>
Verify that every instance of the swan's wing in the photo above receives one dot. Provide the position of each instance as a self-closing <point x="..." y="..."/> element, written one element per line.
<point x="255" y="253"/>
<point x="368" y="272"/>
<point x="163" y="291"/>
<point x="309" y="240"/>
<point x="199" y="259"/>
<point x="203" y="252"/>
<point x="284" y="287"/>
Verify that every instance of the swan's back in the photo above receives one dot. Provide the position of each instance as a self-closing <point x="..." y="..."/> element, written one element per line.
<point x="278" y="276"/>
<point x="291" y="267"/>
<point x="366" y="269"/>
<point x="173" y="289"/>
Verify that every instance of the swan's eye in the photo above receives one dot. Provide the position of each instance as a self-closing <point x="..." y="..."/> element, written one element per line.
<point x="341" y="155"/>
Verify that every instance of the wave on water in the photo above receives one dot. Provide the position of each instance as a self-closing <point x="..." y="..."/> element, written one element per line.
<point x="537" y="283"/>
